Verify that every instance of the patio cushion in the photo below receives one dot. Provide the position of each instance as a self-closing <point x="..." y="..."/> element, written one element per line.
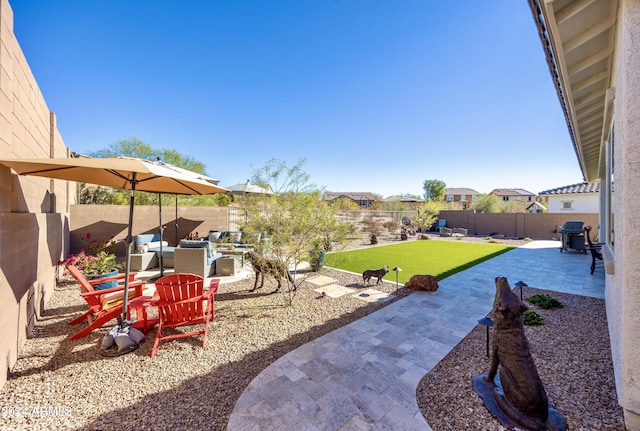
<point x="155" y="245"/>
<point x="187" y="243"/>
<point x="144" y="238"/>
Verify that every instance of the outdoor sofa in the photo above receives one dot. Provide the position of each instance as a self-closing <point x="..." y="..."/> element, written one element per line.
<point x="150" y="242"/>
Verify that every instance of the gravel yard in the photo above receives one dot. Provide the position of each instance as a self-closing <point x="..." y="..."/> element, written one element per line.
<point x="57" y="384"/>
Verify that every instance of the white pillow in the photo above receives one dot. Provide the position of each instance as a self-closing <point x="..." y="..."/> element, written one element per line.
<point x="156" y="244"/>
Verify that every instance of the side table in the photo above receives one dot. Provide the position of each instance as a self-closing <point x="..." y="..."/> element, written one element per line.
<point x="140" y="304"/>
<point x="143" y="261"/>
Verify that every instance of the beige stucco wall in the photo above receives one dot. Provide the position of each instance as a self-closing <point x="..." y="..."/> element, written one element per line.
<point x="33" y="211"/>
<point x="580" y="203"/>
<point x="623" y="287"/>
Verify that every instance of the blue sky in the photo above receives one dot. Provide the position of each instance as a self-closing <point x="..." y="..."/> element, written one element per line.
<point x="377" y="96"/>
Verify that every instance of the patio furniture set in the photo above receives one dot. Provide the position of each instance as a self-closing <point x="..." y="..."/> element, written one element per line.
<point x="180" y="299"/>
<point x="212" y="255"/>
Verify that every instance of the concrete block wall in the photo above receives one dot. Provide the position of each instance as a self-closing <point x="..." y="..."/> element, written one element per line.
<point x="519" y="225"/>
<point x="105" y="221"/>
<point x="34" y="219"/>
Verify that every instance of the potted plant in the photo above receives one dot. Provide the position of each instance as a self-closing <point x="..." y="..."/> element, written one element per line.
<point x="103" y="265"/>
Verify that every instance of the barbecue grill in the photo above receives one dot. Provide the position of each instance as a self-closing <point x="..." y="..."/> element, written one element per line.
<point x="572" y="236"/>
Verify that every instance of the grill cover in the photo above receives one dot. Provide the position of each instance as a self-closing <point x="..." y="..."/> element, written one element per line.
<point x="572" y="227"/>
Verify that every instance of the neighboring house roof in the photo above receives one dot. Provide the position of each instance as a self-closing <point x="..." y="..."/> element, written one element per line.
<point x="402" y="199"/>
<point x="511" y="192"/>
<point x="460" y="191"/>
<point x="583" y="187"/>
<point x="356" y="196"/>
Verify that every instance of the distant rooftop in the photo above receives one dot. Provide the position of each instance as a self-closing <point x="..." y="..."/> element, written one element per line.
<point x="573" y="188"/>
<point x="460" y="191"/>
<point x="511" y="192"/>
<point x="356" y="196"/>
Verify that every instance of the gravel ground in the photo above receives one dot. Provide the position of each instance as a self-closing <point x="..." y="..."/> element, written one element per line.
<point x="57" y="384"/>
<point x="572" y="354"/>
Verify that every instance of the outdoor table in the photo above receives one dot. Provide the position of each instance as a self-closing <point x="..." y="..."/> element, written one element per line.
<point x="140" y="304"/>
<point x="235" y="252"/>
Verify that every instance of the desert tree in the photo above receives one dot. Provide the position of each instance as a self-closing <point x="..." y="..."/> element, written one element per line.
<point x="486" y="203"/>
<point x="292" y="226"/>
<point x="427" y="214"/>
<point x="282" y="178"/>
<point x="434" y="190"/>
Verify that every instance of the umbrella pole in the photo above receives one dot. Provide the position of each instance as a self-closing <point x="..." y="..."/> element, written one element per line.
<point x="161" y="229"/>
<point x="129" y="245"/>
<point x="176" y="220"/>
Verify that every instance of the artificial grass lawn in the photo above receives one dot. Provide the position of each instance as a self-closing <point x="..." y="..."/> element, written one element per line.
<point x="438" y="258"/>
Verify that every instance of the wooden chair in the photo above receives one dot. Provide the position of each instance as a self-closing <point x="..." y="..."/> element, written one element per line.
<point x="104" y="305"/>
<point x="594" y="248"/>
<point x="182" y="302"/>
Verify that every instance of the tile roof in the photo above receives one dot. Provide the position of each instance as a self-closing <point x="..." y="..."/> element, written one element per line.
<point x="583" y="187"/>
<point x="356" y="196"/>
<point x="460" y="191"/>
<point x="511" y="192"/>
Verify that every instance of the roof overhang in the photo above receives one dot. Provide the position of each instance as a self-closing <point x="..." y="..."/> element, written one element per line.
<point x="578" y="37"/>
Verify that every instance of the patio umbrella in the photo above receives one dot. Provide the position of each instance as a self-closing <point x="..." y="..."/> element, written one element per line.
<point x="124" y="173"/>
<point x="189" y="174"/>
<point x="248" y="188"/>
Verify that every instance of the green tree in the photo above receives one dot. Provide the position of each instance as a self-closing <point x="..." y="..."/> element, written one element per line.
<point x="134" y="147"/>
<point x="486" y="203"/>
<point x="428" y="214"/>
<point x="434" y="190"/>
<point x="94" y="194"/>
<point x="131" y="147"/>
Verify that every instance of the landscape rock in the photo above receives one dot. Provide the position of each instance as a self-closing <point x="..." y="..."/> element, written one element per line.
<point x="422" y="283"/>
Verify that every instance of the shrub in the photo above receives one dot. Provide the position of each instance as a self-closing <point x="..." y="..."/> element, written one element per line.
<point x="532" y="318"/>
<point x="545" y="301"/>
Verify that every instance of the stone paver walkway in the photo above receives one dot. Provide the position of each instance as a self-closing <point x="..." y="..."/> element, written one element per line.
<point x="364" y="376"/>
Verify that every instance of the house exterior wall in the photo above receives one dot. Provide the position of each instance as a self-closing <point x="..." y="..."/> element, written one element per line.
<point x="622" y="292"/>
<point x="33" y="211"/>
<point x="579" y="202"/>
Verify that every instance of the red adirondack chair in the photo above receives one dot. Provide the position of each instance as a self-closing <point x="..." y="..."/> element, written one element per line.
<point x="183" y="302"/>
<point x="104" y="305"/>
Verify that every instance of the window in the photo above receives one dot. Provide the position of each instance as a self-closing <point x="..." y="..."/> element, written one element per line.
<point x="505" y="198"/>
<point x="463" y="197"/>
<point x="518" y="198"/>
<point x="473" y="197"/>
<point x="450" y="198"/>
<point x="566" y="205"/>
